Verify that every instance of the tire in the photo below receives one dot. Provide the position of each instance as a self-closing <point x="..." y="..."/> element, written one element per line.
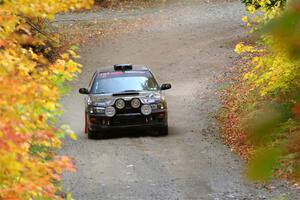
<point x="92" y="134"/>
<point x="96" y="135"/>
<point x="164" y="131"/>
<point x="85" y="124"/>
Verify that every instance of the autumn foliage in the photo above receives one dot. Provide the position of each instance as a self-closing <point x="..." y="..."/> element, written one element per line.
<point x="31" y="84"/>
<point x="261" y="108"/>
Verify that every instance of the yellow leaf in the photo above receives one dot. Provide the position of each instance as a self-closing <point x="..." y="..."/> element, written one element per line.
<point x="245" y="19"/>
<point x="50" y="105"/>
<point x="73" y="136"/>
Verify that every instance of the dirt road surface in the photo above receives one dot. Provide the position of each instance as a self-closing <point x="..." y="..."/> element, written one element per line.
<point x="188" y="44"/>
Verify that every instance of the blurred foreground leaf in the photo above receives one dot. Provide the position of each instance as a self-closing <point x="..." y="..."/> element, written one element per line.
<point x="32" y="80"/>
<point x="286" y="29"/>
<point x="261" y="166"/>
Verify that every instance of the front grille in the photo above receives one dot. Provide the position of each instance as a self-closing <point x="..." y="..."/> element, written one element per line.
<point x="128" y="109"/>
<point x="125" y="120"/>
<point x="128" y="120"/>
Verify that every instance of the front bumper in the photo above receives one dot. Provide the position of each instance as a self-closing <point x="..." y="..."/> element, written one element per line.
<point x="128" y="120"/>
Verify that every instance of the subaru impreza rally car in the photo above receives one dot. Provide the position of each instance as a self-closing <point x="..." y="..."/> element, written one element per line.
<point x="125" y="96"/>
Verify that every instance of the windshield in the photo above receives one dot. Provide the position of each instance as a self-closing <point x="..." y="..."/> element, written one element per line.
<point x="115" y="82"/>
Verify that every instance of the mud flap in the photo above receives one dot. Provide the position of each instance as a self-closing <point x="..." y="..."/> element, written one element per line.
<point x="85" y="123"/>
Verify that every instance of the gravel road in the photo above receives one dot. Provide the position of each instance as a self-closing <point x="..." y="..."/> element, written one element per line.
<point x="189" y="44"/>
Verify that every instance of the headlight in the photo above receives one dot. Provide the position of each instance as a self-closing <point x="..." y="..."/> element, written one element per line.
<point x="160" y="106"/>
<point x="146" y="109"/>
<point x="97" y="110"/>
<point x="135" y="103"/>
<point x="120" y="104"/>
<point x="157" y="106"/>
<point x="89" y="101"/>
<point x="154" y="106"/>
<point x="110" y="111"/>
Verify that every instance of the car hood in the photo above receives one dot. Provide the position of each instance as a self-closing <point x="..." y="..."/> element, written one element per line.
<point x="104" y="100"/>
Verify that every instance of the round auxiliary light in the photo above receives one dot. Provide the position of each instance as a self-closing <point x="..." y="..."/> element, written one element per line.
<point x="146" y="109"/>
<point x="110" y="111"/>
<point x="135" y="103"/>
<point x="120" y="104"/>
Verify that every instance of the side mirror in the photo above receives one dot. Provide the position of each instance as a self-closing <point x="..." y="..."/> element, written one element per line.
<point x="83" y="91"/>
<point x="165" y="86"/>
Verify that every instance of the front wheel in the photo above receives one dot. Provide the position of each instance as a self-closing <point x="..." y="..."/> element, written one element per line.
<point x="163" y="131"/>
<point x="92" y="134"/>
<point x="96" y="134"/>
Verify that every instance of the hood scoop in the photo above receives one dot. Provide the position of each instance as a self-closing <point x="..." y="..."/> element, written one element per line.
<point x="125" y="93"/>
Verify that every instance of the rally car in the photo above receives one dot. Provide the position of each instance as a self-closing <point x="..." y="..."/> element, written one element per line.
<point x="124" y="96"/>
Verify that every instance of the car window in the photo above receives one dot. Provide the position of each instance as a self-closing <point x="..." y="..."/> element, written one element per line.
<point x="92" y="79"/>
<point x="119" y="82"/>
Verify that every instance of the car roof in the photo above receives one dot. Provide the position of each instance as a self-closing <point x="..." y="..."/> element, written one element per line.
<point x="134" y="68"/>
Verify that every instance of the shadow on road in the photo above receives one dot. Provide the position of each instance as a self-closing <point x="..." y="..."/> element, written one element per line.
<point x="128" y="133"/>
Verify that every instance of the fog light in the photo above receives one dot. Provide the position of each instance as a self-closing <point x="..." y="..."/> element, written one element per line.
<point x="135" y="103"/>
<point x="110" y="111"/>
<point x="120" y="104"/>
<point x="146" y="109"/>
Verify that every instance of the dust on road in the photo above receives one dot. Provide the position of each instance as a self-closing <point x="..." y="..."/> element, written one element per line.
<point x="189" y="44"/>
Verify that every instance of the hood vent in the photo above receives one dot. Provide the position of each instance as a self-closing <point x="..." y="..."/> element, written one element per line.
<point x="126" y="93"/>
